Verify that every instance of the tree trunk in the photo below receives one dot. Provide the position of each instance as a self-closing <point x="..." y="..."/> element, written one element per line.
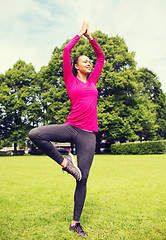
<point x="15" y="146"/>
<point x="98" y="141"/>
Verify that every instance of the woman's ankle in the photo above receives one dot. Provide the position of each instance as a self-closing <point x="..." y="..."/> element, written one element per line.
<point x="64" y="163"/>
<point x="73" y="223"/>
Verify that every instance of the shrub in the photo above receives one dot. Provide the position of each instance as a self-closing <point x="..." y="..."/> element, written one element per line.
<point x="5" y="153"/>
<point x="151" y="147"/>
<point x="12" y="153"/>
<point x="18" y="152"/>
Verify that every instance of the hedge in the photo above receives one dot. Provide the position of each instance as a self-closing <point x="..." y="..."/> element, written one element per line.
<point x="141" y="148"/>
<point x="12" y="153"/>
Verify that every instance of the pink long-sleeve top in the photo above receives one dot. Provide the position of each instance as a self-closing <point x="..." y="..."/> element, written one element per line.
<point x="83" y="96"/>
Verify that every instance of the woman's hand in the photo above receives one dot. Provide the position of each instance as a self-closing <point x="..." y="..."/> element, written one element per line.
<point x="87" y="33"/>
<point x="83" y="29"/>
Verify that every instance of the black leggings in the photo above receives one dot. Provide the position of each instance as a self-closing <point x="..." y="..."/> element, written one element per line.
<point x="85" y="145"/>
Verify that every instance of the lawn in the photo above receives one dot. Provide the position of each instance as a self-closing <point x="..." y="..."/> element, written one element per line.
<point x="126" y="198"/>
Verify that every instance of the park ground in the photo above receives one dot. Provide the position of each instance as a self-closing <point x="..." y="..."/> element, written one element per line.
<point x="125" y="198"/>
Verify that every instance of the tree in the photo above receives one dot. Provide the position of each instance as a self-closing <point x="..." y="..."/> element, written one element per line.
<point x="53" y="96"/>
<point x="152" y="87"/>
<point x="123" y="113"/>
<point x="15" y="97"/>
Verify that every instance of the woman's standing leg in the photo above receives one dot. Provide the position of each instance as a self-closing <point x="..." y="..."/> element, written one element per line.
<point x="86" y="143"/>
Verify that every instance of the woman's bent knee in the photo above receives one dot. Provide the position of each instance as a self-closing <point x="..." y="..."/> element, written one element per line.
<point x="33" y="134"/>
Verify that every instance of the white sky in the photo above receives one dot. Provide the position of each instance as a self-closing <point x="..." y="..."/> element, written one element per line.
<point x="30" y="29"/>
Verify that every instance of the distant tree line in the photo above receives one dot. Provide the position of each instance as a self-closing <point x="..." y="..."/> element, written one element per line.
<point x="131" y="103"/>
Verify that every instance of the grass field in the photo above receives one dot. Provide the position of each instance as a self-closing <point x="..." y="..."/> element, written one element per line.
<point x="126" y="198"/>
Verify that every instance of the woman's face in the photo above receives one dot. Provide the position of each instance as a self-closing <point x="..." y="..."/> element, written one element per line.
<point x="84" y="65"/>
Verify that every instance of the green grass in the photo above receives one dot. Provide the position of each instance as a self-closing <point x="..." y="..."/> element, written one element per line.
<point x="126" y="198"/>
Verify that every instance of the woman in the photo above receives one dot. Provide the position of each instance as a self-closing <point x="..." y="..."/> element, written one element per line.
<point x="81" y="124"/>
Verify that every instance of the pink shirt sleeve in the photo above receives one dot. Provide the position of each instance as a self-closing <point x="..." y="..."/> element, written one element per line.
<point x="67" y="68"/>
<point x="94" y="76"/>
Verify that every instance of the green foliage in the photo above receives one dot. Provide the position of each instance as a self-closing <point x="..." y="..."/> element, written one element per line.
<point x="53" y="96"/>
<point x="5" y="143"/>
<point x="15" y="91"/>
<point x="152" y="88"/>
<point x="151" y="147"/>
<point x="123" y="112"/>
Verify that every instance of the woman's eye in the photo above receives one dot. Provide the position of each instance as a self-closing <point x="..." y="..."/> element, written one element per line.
<point x="87" y="62"/>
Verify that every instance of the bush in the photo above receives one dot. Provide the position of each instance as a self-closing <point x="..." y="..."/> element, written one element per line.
<point x="12" y="153"/>
<point x="18" y="153"/>
<point x="141" y="148"/>
<point x="5" y="153"/>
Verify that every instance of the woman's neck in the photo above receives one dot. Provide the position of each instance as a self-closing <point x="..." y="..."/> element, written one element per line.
<point x="82" y="77"/>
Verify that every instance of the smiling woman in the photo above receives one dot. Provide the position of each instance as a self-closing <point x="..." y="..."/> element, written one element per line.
<point x="82" y="67"/>
<point x="81" y="64"/>
<point x="80" y="126"/>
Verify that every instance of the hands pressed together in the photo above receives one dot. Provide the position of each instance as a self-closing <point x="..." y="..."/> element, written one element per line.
<point x="85" y="31"/>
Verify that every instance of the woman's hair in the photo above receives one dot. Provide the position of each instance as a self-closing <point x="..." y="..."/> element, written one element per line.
<point x="74" y="70"/>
